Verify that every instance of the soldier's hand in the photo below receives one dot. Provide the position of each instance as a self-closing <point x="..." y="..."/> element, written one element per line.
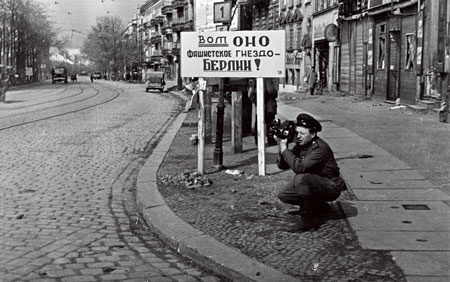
<point x="282" y="144"/>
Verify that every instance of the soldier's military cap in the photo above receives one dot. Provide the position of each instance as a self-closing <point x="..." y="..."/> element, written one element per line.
<point x="307" y="121"/>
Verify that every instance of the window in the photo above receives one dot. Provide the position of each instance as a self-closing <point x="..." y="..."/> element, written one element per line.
<point x="286" y="32"/>
<point x="291" y="36"/>
<point x="410" y="51"/>
<point x="319" y="6"/>
<point x="299" y="35"/>
<point x="381" y="51"/>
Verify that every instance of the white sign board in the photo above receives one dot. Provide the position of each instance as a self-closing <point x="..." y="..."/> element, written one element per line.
<point x="233" y="54"/>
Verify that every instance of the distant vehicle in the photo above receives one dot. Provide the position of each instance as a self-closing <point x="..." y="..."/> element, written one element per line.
<point x="154" y="80"/>
<point x="97" y="75"/>
<point x="83" y="73"/>
<point x="59" y="74"/>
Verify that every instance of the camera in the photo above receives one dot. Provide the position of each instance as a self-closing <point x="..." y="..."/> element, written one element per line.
<point x="282" y="130"/>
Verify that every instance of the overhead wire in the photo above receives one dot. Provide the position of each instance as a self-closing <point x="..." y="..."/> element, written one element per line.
<point x="110" y="7"/>
<point x="70" y="19"/>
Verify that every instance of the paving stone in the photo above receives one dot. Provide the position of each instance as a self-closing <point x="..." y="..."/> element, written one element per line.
<point x="79" y="278"/>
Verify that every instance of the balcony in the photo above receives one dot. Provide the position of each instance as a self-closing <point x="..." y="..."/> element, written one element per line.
<point x="178" y="4"/>
<point x="166" y="30"/>
<point x="176" y="48"/>
<point x="166" y="9"/>
<point x="348" y="8"/>
<point x="178" y="27"/>
<point x="156" y="39"/>
<point x="189" y="25"/>
<point x="160" y="19"/>
<point x="147" y="41"/>
<point x="156" y="57"/>
<point x="258" y="2"/>
<point x="166" y="51"/>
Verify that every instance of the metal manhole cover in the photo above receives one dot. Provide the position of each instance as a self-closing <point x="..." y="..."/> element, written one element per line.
<point x="416" y="207"/>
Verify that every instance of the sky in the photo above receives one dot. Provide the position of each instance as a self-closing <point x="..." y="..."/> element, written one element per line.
<point x="80" y="15"/>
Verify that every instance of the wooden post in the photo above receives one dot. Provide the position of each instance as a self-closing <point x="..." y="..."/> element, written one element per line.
<point x="201" y="131"/>
<point x="236" y="121"/>
<point x="260" y="125"/>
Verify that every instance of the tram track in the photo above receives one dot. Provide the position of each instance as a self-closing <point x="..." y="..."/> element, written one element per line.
<point x="48" y="101"/>
<point x="47" y="113"/>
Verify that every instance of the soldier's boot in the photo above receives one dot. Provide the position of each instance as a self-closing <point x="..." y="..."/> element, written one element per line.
<point x="321" y="208"/>
<point x="307" y="220"/>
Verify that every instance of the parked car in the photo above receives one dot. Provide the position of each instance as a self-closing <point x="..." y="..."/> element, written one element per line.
<point x="59" y="74"/>
<point x="97" y="75"/>
<point x="154" y="80"/>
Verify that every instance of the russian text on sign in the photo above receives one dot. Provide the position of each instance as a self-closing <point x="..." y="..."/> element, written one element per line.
<point x="229" y="54"/>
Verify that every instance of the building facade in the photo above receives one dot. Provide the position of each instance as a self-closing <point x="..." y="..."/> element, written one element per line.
<point x="158" y="26"/>
<point x="325" y="42"/>
<point x="295" y="18"/>
<point x="395" y="49"/>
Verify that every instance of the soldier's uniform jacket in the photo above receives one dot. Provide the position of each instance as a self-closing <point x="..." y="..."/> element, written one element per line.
<point x="316" y="158"/>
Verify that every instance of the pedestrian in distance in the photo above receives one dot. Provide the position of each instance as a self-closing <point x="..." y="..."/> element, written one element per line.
<point x="311" y="80"/>
<point x="192" y="89"/>
<point x="92" y="77"/>
<point x="317" y="178"/>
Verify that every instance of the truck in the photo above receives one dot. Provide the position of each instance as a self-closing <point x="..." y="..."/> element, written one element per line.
<point x="59" y="74"/>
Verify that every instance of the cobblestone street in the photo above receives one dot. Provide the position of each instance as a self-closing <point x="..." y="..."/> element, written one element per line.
<point x="70" y="159"/>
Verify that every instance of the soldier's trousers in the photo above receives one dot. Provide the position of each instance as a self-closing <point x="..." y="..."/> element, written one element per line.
<point x="308" y="185"/>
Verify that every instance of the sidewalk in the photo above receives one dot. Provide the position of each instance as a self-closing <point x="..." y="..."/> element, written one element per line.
<point x="391" y="225"/>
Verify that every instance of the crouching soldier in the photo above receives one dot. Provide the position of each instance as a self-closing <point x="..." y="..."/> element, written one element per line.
<point x="317" y="179"/>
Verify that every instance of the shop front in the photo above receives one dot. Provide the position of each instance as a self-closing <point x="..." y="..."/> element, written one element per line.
<point x="325" y="35"/>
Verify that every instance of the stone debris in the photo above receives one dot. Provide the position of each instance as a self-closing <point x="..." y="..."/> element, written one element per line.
<point x="234" y="172"/>
<point x="190" y="180"/>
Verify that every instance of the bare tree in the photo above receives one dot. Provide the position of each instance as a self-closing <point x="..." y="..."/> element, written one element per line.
<point x="27" y="34"/>
<point x="106" y="46"/>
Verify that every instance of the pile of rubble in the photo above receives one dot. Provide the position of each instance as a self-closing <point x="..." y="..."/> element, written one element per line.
<point x="190" y="180"/>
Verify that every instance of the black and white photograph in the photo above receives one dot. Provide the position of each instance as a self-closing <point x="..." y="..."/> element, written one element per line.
<point x="224" y="140"/>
